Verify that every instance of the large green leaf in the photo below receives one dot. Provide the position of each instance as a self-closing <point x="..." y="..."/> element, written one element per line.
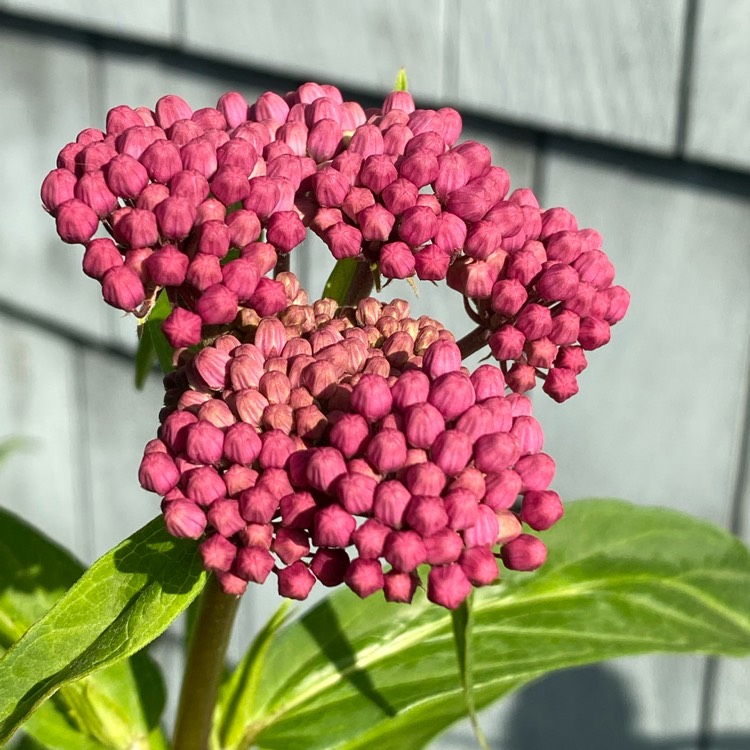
<point x="620" y="580"/>
<point x="120" y="604"/>
<point x="340" y="279"/>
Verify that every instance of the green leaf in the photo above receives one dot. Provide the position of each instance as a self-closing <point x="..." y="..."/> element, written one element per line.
<point x="401" y="83"/>
<point x="462" y="620"/>
<point x="120" y="604"/>
<point x="620" y="580"/>
<point x="236" y="708"/>
<point x="340" y="280"/>
<point x="11" y="445"/>
<point x="153" y="341"/>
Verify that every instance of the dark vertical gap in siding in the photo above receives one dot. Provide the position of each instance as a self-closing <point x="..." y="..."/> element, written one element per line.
<point x="85" y="502"/>
<point x="685" y="85"/>
<point x="451" y="22"/>
<point x="539" y="171"/>
<point x="179" y="22"/>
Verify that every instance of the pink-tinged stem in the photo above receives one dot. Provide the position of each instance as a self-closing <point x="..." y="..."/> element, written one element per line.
<point x="473" y="341"/>
<point x="205" y="667"/>
<point x="282" y="264"/>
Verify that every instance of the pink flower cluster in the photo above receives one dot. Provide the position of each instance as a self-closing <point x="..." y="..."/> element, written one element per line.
<point x="350" y="446"/>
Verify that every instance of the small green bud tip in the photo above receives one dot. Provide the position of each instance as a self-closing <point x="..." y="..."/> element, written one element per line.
<point x="402" y="84"/>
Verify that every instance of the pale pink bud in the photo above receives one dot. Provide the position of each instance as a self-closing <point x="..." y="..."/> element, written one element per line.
<point x="557" y="220"/>
<point x="296" y="581"/>
<point x="451" y="451"/>
<point x="376" y="222"/>
<point x="483" y="532"/>
<point x="190" y="185"/>
<point x="521" y="377"/>
<point x="57" y="188"/>
<point x="184" y="519"/>
<point x="217" y="305"/>
<point x="294" y="134"/>
<point x="448" y="586"/>
<point x="123" y="289"/>
<point x="262" y="254"/>
<point x="101" y="255"/>
<point x="356" y="199"/>
<point x="540" y="353"/>
<point x="234" y="107"/>
<point x="352" y="115"/>
<point x="270" y="106"/>
<point x="75" y="221"/>
<point x="121" y="118"/>
<point x="364" y="577"/>
<point x="211" y="364"/>
<point x="218" y="553"/>
<point x="167" y="266"/>
<point x="426" y="515"/>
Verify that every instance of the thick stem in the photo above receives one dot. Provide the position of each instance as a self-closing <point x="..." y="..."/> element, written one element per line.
<point x="361" y="285"/>
<point x="282" y="264"/>
<point x="205" y="667"/>
<point x="473" y="341"/>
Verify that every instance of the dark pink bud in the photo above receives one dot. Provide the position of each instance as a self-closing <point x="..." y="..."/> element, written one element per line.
<point x="418" y="225"/>
<point x="507" y="343"/>
<point x="571" y="358"/>
<point x="425" y="479"/>
<point x="542" y="509"/>
<point x="488" y="381"/>
<point x="175" y="217"/>
<point x="171" y="108"/>
<point x="376" y="222"/>
<point x="258" y="505"/>
<point x="443" y="547"/>
<point x="423" y="423"/>
<point x="244" y="227"/>
<point x="495" y="452"/>
<point x="558" y="282"/>
<point x="203" y="485"/>
<point x="285" y="230"/>
<point x="398" y="100"/>
<point x="462" y="508"/>
<point x="205" y="443"/>
<point x="89" y="135"/>
<point x="426" y="515"/>
<point x="540" y="353"/>
<point x="231" y="584"/>
<point x="565" y="328"/>
<point x="298" y="510"/>
<point x="356" y="493"/>
<point x="400" y="195"/>
<point x="441" y="357"/>
<point x="367" y="140"/>
<point x="618" y="300"/>
<point x="230" y="185"/>
<point x="254" y="564"/>
<point x="451" y="232"/>
<point x="564" y="247"/>
<point x="218" y="553"/>
<point x="371" y="397"/>
<point x="162" y="161"/>
<point x="356" y="199"/>
<point x="200" y="155"/>
<point x="101" y="255"/>
<point x="135" y="260"/>
<point x="378" y="171"/>
<point x="473" y="278"/>
<point x="420" y="167"/>
<point x="452" y="394"/>
<point x="390" y="502"/>
<point x="211" y="366"/>
<point x="431" y="263"/>
<point x="529" y="434"/>
<point x="324" y="139"/>
<point x="330" y="186"/>
<point x="158" y="473"/>
<point x="123" y="289"/>
<point x="167" y="266"/>
<point x="534" y="321"/>
<point x="121" y="118"/>
<point x="209" y="119"/>
<point x="525" y="552"/>
<point x="396" y="260"/>
<point x="412" y="387"/>
<point x="395" y="139"/>
<point x="324" y="467"/>
<point x="448" y="586"/>
<point x="217" y="305"/>
<point x="296" y="581"/>
<point x="184" y="519"/>
<point x="94" y="156"/>
<point x="364" y="577"/>
<point x="320" y="378"/>
<point x="595" y="268"/>
<point x="472" y="201"/>
<point x="560" y="384"/>
<point x="557" y="220"/>
<point x="593" y="333"/>
<point x="451" y="124"/>
<point x="451" y="451"/>
<point x="75" y="221"/>
<point x="239" y="154"/>
<point x="277" y="445"/>
<point x="270" y="337"/>
<point x="184" y="131"/>
<point x="262" y="254"/>
<point x="257" y="134"/>
<point x="270" y="106"/>
<point x="136" y="228"/>
<point x="257" y="534"/>
<point x="294" y="134"/>
<point x="483" y="239"/>
<point x="234" y="107"/>
<point x="333" y="527"/>
<point x="479" y="565"/>
<point x="344" y="240"/>
<point x="472" y="480"/>
<point x="453" y="173"/>
<point x="400" y="587"/>
<point x="225" y="518"/>
<point x="404" y="550"/>
<point x="369" y="539"/>
<point x="478" y="157"/>
<point x="57" y="188"/>
<point x="291" y="545"/>
<point x="214" y="238"/>
<point x="173" y="431"/>
<point x="536" y="471"/>
<point x="349" y="435"/>
<point x="330" y="566"/>
<point x="476" y="421"/>
<point x="204" y="271"/>
<point x="242" y="444"/>
<point x="190" y="185"/>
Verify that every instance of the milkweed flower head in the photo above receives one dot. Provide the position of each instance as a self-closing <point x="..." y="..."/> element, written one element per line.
<point x="350" y="446"/>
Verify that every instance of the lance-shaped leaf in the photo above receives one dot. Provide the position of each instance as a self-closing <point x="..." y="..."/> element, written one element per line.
<point x="153" y="341"/>
<point x="120" y="604"/>
<point x="620" y="580"/>
<point x="340" y="279"/>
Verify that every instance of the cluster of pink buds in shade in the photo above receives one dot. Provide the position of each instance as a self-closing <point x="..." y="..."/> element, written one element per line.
<point x="184" y="197"/>
<point x="349" y="445"/>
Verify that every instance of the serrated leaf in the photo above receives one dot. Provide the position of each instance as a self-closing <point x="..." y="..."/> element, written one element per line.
<point x="153" y="342"/>
<point x="340" y="280"/>
<point x="401" y="83"/>
<point x="236" y="707"/>
<point x="620" y="580"/>
<point x="120" y="604"/>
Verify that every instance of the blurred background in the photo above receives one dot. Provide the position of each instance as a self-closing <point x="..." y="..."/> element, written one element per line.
<point x="635" y="115"/>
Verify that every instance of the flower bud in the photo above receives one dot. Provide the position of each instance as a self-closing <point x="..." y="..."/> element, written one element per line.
<point x="205" y="443"/>
<point x="75" y="221"/>
<point x="200" y="155"/>
<point x="536" y="471"/>
<point x="483" y="532"/>
<point x="507" y="343"/>
<point x="57" y="188"/>
<point x="121" y="118"/>
<point x="285" y="230"/>
<point x="593" y="333"/>
<point x="203" y="485"/>
<point x="254" y="564"/>
<point x="423" y="423"/>
<point x="378" y="172"/>
<point x="401" y="100"/>
<point x="234" y="107"/>
<point x="123" y="289"/>
<point x="204" y="271"/>
<point x="324" y="467"/>
<point x="217" y="305"/>
<point x="431" y="263"/>
<point x="330" y="565"/>
<point x="277" y="445"/>
<point x="258" y="505"/>
<point x="296" y="581"/>
<point x="479" y="565"/>
<point x="218" y="553"/>
<point x="184" y="519"/>
<point x="565" y="328"/>
<point x="242" y="444"/>
<point x="521" y="378"/>
<point x="92" y="189"/>
<point x="376" y="222"/>
<point x="451" y="451"/>
<point x="366" y="140"/>
<point x="158" y="473"/>
<point x="386" y="451"/>
<point x="426" y="515"/>
<point x="452" y="394"/>
<point x="101" y="255"/>
<point x="399" y="195"/>
<point x="542" y="509"/>
<point x="425" y="478"/>
<point x="418" y="225"/>
<point x="291" y="545"/>
<point x="560" y="384"/>
<point x="224" y="516"/>
<point x="372" y="398"/>
<point x="171" y="108"/>
<point x="333" y="527"/>
<point x="557" y="220"/>
<point x="136" y="228"/>
<point x="404" y="550"/>
<point x="344" y="240"/>
<point x="395" y="138"/>
<point x="249" y="405"/>
<point x="396" y="261"/>
<point x="525" y="552"/>
<point x="190" y="185"/>
<point x="364" y="577"/>
<point x="167" y="266"/>
<point x="420" y="167"/>
<point x="448" y="586"/>
<point x="349" y="435"/>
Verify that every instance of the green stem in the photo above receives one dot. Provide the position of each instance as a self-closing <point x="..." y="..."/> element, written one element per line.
<point x="361" y="285"/>
<point x="205" y="668"/>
